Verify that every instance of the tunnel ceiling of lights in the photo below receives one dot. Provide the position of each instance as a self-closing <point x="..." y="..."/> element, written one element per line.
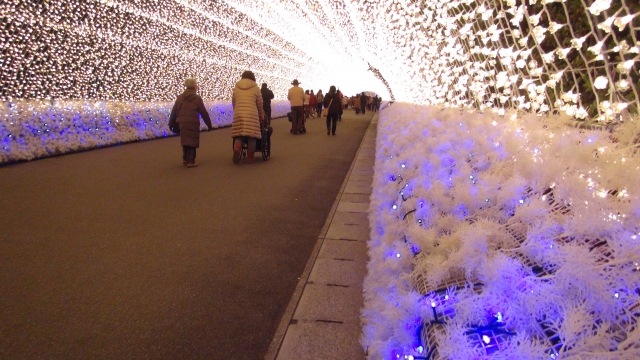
<point x="574" y="56"/>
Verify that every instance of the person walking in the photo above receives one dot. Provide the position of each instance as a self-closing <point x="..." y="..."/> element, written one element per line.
<point x="334" y="106"/>
<point x="248" y="116"/>
<point x="296" y="98"/>
<point x="319" y="99"/>
<point x="313" y="103"/>
<point x="363" y="102"/>
<point x="184" y="116"/>
<point x="307" y="99"/>
<point x="267" y="96"/>
<point x="356" y="104"/>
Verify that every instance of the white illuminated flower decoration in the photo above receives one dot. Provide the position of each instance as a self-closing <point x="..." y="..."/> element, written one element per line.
<point x="525" y="83"/>
<point x="606" y="25"/>
<point x="487" y="14"/>
<point x="577" y="43"/>
<point x="597" y="48"/>
<point x="539" y="32"/>
<point x="581" y="113"/>
<point x="548" y="58"/>
<point x="521" y="64"/>
<point x="623" y="46"/>
<point x="601" y="82"/>
<point x="562" y="53"/>
<point x="523" y="41"/>
<point x="618" y="107"/>
<point x="534" y="19"/>
<point x="624" y="67"/>
<point x="501" y="79"/>
<point x="465" y="29"/>
<point x="622" y="22"/>
<point x="599" y="6"/>
<point x="570" y="110"/>
<point x="622" y="85"/>
<point x="553" y="27"/>
<point x="570" y="97"/>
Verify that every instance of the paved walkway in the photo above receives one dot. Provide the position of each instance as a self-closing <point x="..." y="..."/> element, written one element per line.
<point x="323" y="317"/>
<point x="123" y="253"/>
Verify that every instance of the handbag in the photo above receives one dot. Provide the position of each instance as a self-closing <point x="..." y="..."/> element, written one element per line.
<point x="325" y="111"/>
<point x="175" y="126"/>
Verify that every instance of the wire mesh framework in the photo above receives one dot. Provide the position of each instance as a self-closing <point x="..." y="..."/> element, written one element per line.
<point x="575" y="56"/>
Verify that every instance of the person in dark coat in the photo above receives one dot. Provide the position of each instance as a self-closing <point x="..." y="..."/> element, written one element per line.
<point x="363" y="103"/>
<point x="185" y="113"/>
<point x="267" y="96"/>
<point x="333" y="103"/>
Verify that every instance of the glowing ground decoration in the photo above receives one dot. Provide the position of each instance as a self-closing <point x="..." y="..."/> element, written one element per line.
<point x="495" y="239"/>
<point x="34" y="129"/>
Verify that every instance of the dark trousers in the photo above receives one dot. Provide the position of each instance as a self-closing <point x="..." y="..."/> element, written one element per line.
<point x="362" y="108"/>
<point x="189" y="154"/>
<point x="297" y="118"/>
<point x="331" y="123"/>
<point x="267" y="112"/>
<point x="319" y="109"/>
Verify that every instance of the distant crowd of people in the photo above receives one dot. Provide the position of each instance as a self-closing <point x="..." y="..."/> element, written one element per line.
<point x="252" y="113"/>
<point x="306" y="104"/>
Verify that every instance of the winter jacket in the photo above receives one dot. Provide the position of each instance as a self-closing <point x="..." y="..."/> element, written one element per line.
<point x="267" y="95"/>
<point x="296" y="96"/>
<point x="185" y="112"/>
<point x="307" y="98"/>
<point x="247" y="109"/>
<point x="336" y="105"/>
<point x="363" y="100"/>
<point x="313" y="101"/>
<point x="320" y="97"/>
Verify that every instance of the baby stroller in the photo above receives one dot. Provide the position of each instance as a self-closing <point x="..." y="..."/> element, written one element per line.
<point x="303" y="129"/>
<point x="262" y="145"/>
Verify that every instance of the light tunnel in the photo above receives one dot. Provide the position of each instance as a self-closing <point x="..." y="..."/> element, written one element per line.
<point x="86" y="73"/>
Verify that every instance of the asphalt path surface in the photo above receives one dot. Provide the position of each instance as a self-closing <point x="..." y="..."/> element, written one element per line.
<point x="123" y="253"/>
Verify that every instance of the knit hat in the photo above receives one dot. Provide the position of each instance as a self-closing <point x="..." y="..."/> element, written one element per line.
<point x="190" y="83"/>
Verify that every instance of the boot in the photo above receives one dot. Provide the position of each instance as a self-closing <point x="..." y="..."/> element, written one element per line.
<point x="237" y="150"/>
<point x="250" y="156"/>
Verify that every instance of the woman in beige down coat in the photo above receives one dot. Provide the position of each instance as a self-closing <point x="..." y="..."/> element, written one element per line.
<point x="248" y="115"/>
